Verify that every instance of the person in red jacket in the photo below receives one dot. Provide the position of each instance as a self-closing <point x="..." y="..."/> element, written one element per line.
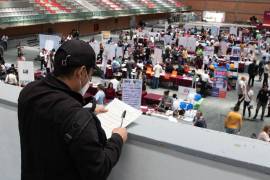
<point x="110" y="92"/>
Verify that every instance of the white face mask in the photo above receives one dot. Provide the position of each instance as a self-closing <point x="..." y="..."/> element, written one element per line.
<point x="84" y="88"/>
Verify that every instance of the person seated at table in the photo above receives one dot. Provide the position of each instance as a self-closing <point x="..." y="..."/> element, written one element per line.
<point x="119" y="59"/>
<point x="115" y="65"/>
<point x="194" y="78"/>
<point x="186" y="69"/>
<point x="116" y="83"/>
<point x="100" y="95"/>
<point x="180" y="70"/>
<point x="199" y="120"/>
<point x="168" y="68"/>
<point x="166" y="102"/>
<point x="175" y="102"/>
<point x="11" y="78"/>
<point x="110" y="92"/>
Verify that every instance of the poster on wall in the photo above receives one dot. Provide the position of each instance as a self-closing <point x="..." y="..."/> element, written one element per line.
<point x="49" y="42"/>
<point x="25" y="72"/>
<point x="214" y="16"/>
<point x="132" y="92"/>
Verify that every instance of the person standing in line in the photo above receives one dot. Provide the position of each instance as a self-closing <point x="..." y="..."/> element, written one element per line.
<point x="247" y="100"/>
<point x="264" y="134"/>
<point x="42" y="56"/>
<point x="241" y="90"/>
<point x="233" y="121"/>
<point x="252" y="72"/>
<point x="262" y="99"/>
<point x="156" y="76"/>
<point x="266" y="70"/>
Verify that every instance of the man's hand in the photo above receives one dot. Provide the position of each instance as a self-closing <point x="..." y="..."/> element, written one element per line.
<point x="100" y="109"/>
<point x="122" y="132"/>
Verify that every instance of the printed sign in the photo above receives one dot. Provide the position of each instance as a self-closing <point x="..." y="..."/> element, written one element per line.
<point x="132" y="92"/>
<point x="25" y="72"/>
<point x="185" y="90"/>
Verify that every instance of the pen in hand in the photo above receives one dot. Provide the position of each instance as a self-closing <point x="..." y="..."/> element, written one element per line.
<point x="123" y="117"/>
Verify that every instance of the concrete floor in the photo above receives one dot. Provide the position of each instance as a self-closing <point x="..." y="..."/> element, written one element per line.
<point x="214" y="109"/>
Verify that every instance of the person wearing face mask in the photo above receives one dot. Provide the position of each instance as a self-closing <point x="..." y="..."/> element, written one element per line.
<point x="60" y="139"/>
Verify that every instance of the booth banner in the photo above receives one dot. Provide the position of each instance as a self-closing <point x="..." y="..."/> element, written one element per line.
<point x="119" y="51"/>
<point x="25" y="72"/>
<point x="132" y="92"/>
<point x="95" y="46"/>
<point x="220" y="83"/>
<point x="236" y="51"/>
<point x="167" y="39"/>
<point x="109" y="51"/>
<point x="233" y="30"/>
<point x="157" y="56"/>
<point x="49" y="42"/>
<point x="223" y="47"/>
<point x="188" y="42"/>
<point x="214" y="16"/>
<point x="214" y="31"/>
<point x="208" y="51"/>
<point x="186" y="91"/>
<point x="182" y="41"/>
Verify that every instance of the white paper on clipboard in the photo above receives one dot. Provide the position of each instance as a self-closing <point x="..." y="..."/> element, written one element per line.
<point x="112" y="118"/>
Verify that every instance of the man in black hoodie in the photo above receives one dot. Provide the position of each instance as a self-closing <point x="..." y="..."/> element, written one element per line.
<point x="262" y="99"/>
<point x="61" y="140"/>
<point x="252" y="72"/>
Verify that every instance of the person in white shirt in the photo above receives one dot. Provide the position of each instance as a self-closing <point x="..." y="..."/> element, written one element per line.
<point x="206" y="62"/>
<point x="264" y="135"/>
<point x="266" y="56"/>
<point x="205" y="79"/>
<point x="11" y="78"/>
<point x="43" y="56"/>
<point x="242" y="84"/>
<point x="157" y="72"/>
<point x="176" y="102"/>
<point x="116" y="84"/>
<point x="247" y="100"/>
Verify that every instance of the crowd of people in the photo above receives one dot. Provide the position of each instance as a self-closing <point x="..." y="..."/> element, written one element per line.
<point x="138" y="61"/>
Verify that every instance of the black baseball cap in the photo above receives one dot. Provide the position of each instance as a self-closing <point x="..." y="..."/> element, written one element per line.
<point x="75" y="53"/>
